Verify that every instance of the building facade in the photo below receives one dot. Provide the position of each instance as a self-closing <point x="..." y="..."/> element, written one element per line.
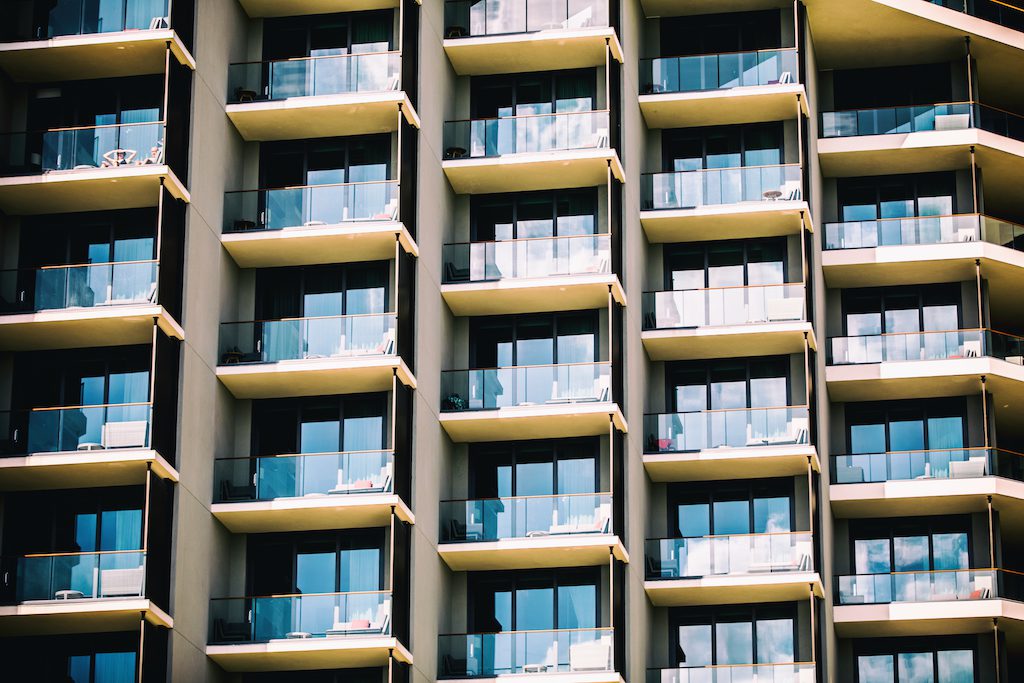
<point x="576" y="341"/>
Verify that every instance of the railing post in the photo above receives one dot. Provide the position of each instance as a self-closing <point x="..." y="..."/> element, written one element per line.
<point x="991" y="535"/>
<point x="995" y="641"/>
<point x="981" y="310"/>
<point x="391" y="665"/>
<point x="394" y="404"/>
<point x="142" y="646"/>
<point x="813" y="627"/>
<point x="984" y="410"/>
<point x="974" y="180"/>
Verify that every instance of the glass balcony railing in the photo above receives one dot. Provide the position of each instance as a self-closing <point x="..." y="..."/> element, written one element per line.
<point x="916" y="119"/>
<point x="941" y="585"/>
<point x="719" y="186"/>
<point x="83" y="17"/>
<point x="727" y="428"/>
<point x="312" y="206"/>
<point x="685" y="558"/>
<point x="314" y="76"/>
<point x="996" y="11"/>
<point x="339" y="336"/>
<point x="81" y="428"/>
<point x="496" y="519"/>
<point x="469" y="18"/>
<point x="527" y="258"/>
<point x="308" y="474"/>
<point x="89" y="147"/>
<point x="495" y="388"/>
<point x="952" y="463"/>
<point x="918" y="230"/>
<point x="526" y="134"/>
<point x="942" y="345"/>
<point x="81" y="576"/>
<point x="94" y="285"/>
<point x="316" y="615"/>
<point x="718" y="72"/>
<point x="687" y="308"/>
<point x="802" y="672"/>
<point x="525" y="652"/>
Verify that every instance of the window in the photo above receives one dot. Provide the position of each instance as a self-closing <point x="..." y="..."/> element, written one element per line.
<point x="102" y="667"/>
<point x="533" y="93"/>
<point x="693" y="149"/>
<point x="534" y="214"/>
<point x="913" y="660"/>
<point x="535" y="600"/>
<point x="316" y="562"/>
<point x="892" y="86"/>
<point x="320" y="291"/>
<point x="733" y="383"/>
<point x="756" y="508"/>
<point x="906" y="426"/>
<point x="542" y="339"/>
<point x="890" y="310"/>
<point x="103" y="102"/>
<point x="765" y="634"/>
<point x="926" y="194"/>
<point x="725" y="264"/>
<point x="719" y="33"/>
<point x="534" y="468"/>
<point x="324" y="161"/>
<point x="320" y="425"/>
<point x="327" y="34"/>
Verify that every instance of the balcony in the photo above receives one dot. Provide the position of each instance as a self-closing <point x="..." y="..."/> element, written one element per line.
<point x="868" y="253"/>
<point x="733" y="569"/>
<point x="294" y="226"/>
<point x="316" y="97"/>
<point x="497" y="36"/>
<point x="584" y="655"/>
<point x="927" y="602"/>
<point x="98" y="304"/>
<point x="529" y="402"/>
<point x="723" y="203"/>
<point x="79" y="447"/>
<point x="534" y="152"/>
<point x="721" y="89"/>
<point x="85" y="169"/>
<point x="530" y="275"/>
<point x="529" y="532"/>
<point x="79" y="593"/>
<point x="726" y="322"/>
<point x="342" y="354"/>
<point x="728" y="444"/>
<point x="924" y="364"/>
<point x="925" y="138"/>
<point x="945" y="481"/>
<point x="294" y="8"/>
<point x="787" y="672"/>
<point x="309" y="491"/>
<point x="298" y="632"/>
<point x="79" y="40"/>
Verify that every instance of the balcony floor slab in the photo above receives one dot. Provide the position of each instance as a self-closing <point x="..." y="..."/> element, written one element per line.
<point x="537" y="51"/>
<point x="302" y="654"/>
<point x="533" y="295"/>
<point x="82" y="469"/>
<point x="314" y="377"/>
<point x="312" y="513"/>
<point x="734" y="106"/>
<point x="731" y="463"/>
<point x="726" y="221"/>
<point x="91" y="189"/>
<point x="342" y="243"/>
<point x="51" y="617"/>
<point x="322" y="116"/>
<point x="734" y="589"/>
<point x="561" y="420"/>
<point x="93" y="55"/>
<point x="533" y="171"/>
<point x="728" y="341"/>
<point x="902" y="619"/>
<point x="69" y="328"/>
<point x="568" y="550"/>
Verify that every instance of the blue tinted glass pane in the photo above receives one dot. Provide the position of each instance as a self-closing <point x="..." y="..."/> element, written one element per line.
<point x="534" y="609"/>
<point x="695" y="645"/>
<point x="121" y="530"/>
<point x="945" y="432"/>
<point x="956" y="666"/>
<point x="360" y="570"/>
<point x="907" y="435"/>
<point x="950" y="551"/>
<point x="775" y="641"/>
<point x="732" y="517"/>
<point x="319" y="437"/>
<point x="876" y="668"/>
<point x="735" y="643"/>
<point x="694" y="520"/>
<point x="115" y="667"/>
<point x="315" y="572"/>
<point x="867" y="438"/>
<point x="915" y="667"/>
<point x="577" y="606"/>
<point x="771" y="515"/>
<point x="911" y="553"/>
<point x="871" y="556"/>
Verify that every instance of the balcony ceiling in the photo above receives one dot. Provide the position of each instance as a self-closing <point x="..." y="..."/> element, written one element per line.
<point x="537" y="51"/>
<point x="294" y="8"/>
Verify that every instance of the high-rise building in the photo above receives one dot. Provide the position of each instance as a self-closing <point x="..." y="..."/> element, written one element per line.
<point x="544" y="341"/>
